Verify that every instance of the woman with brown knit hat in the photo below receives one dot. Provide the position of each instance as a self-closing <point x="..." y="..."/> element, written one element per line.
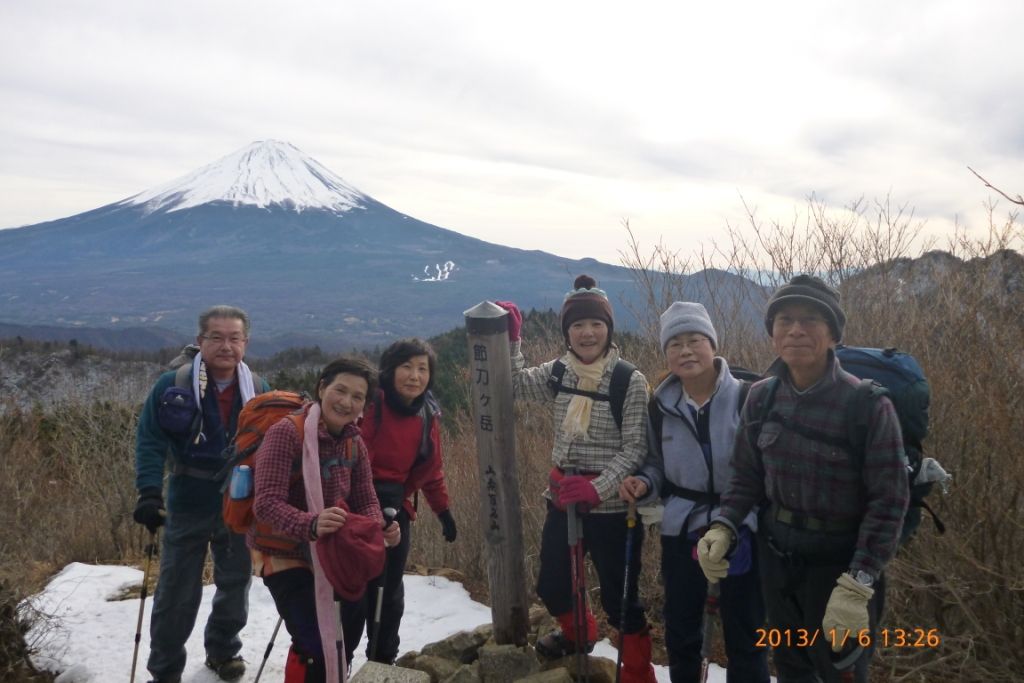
<point x="596" y="447"/>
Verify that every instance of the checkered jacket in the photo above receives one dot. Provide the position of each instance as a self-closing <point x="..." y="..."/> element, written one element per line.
<point x="609" y="452"/>
<point x="818" y="479"/>
<point x="280" y="492"/>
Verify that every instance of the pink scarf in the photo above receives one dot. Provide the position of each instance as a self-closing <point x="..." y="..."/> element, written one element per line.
<point x="328" y="615"/>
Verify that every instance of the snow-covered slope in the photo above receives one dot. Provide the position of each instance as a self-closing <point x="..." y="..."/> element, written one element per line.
<point x="89" y="636"/>
<point x="261" y="174"/>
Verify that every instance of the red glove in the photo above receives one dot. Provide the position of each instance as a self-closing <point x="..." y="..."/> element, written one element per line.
<point x="515" y="320"/>
<point x="578" y="489"/>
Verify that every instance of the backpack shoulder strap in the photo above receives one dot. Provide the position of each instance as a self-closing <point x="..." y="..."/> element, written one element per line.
<point x="183" y="376"/>
<point x="298" y="419"/>
<point x="428" y="411"/>
<point x="656" y="417"/>
<point x="622" y="373"/>
<point x="763" y="410"/>
<point x="858" y="416"/>
<point x="555" y="380"/>
<point x="744" y="393"/>
<point x="618" y="386"/>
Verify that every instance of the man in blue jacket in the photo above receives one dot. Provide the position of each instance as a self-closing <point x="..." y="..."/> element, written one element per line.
<point x="187" y="421"/>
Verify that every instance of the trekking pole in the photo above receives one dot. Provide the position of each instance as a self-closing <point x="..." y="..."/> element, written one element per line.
<point x="389" y="517"/>
<point x="710" y="610"/>
<point x="630" y="526"/>
<point x="266" y="653"/>
<point x="150" y="548"/>
<point x="579" y="591"/>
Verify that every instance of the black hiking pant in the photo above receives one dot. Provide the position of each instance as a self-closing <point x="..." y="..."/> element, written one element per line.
<point x="604" y="538"/>
<point x="740" y="605"/>
<point x="798" y="572"/>
<point x="295" y="598"/>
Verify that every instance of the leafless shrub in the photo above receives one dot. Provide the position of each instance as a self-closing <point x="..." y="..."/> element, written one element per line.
<point x="958" y="312"/>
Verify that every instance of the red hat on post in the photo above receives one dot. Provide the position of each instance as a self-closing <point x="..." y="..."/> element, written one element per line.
<point x="353" y="555"/>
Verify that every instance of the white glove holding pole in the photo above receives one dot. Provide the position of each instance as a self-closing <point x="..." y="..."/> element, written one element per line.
<point x="711" y="551"/>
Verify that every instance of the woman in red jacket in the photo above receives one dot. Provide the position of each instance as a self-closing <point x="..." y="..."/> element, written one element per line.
<point x="402" y="433"/>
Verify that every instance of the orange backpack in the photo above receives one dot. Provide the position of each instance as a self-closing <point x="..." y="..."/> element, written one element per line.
<point x="254" y="420"/>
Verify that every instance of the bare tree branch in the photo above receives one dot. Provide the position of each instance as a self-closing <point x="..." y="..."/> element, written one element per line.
<point x="1018" y="200"/>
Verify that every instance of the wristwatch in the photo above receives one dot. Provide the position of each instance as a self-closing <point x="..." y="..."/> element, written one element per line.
<point x="862" y="577"/>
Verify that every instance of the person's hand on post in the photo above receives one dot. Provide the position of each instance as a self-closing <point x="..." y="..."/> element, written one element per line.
<point x="712" y="548"/>
<point x="632" y="489"/>
<point x="448" y="529"/>
<point x="149" y="510"/>
<point x="578" y="489"/>
<point x="515" y="320"/>
<point x="330" y="520"/>
<point x="392" y="534"/>
<point x="846" y="614"/>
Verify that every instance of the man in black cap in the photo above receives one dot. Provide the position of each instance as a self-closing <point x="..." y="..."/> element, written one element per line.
<point x="834" y="510"/>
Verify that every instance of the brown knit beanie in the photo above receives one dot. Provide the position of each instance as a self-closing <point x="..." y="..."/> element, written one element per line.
<point x="808" y="289"/>
<point x="586" y="301"/>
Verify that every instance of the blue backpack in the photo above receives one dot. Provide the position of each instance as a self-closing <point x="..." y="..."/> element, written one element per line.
<point x="899" y="376"/>
<point x="903" y="379"/>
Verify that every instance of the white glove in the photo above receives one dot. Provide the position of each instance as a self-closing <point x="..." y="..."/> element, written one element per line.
<point x="847" y="610"/>
<point x="711" y="551"/>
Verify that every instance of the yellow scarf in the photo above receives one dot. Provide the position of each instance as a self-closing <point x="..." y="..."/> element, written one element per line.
<point x="577" y="416"/>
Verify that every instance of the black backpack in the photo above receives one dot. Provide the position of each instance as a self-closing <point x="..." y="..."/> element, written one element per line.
<point x="617" y="387"/>
<point x="882" y="372"/>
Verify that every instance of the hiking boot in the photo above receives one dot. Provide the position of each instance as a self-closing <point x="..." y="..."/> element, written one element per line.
<point x="556" y="645"/>
<point x="227" y="669"/>
<point x="563" y="642"/>
<point x="166" y="679"/>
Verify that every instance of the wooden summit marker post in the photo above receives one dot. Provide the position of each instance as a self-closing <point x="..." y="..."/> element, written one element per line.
<point x="491" y="376"/>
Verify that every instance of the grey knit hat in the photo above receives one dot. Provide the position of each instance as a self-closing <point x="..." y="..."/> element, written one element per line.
<point x="686" y="316"/>
<point x="808" y="289"/>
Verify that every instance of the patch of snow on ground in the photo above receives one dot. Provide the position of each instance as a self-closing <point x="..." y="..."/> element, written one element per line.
<point x="90" y="638"/>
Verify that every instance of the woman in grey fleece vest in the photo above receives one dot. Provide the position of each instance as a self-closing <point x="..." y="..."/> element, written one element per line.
<point x="693" y="417"/>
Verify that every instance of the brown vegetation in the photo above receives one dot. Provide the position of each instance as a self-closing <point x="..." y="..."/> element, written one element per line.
<point x="957" y="312"/>
<point x="66" y="490"/>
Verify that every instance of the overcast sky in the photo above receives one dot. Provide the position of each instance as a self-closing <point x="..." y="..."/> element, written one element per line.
<point x="540" y="125"/>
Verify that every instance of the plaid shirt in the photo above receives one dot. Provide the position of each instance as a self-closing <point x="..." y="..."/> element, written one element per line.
<point x="818" y="479"/>
<point x="608" y="452"/>
<point x="280" y="493"/>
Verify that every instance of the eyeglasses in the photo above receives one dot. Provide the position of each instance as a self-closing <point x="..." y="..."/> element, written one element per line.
<point x="785" y="322"/>
<point x="218" y="339"/>
<point x="691" y="344"/>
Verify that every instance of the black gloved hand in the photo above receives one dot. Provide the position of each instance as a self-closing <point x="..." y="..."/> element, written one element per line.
<point x="149" y="511"/>
<point x="448" y="526"/>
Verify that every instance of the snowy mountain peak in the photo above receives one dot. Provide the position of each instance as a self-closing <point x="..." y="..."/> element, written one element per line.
<point x="265" y="173"/>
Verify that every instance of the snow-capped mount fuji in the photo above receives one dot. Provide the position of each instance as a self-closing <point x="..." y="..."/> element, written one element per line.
<point x="265" y="173"/>
<point x="269" y="229"/>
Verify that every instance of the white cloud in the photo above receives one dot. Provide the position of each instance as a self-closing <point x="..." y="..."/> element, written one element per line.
<point x="538" y="124"/>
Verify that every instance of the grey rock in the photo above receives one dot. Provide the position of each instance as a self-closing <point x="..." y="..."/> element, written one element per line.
<point x="557" y="675"/>
<point x="438" y="668"/>
<point x="599" y="669"/>
<point x="374" y="672"/>
<point x="467" y="673"/>
<point x="507" y="663"/>
<point x="460" y="647"/>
